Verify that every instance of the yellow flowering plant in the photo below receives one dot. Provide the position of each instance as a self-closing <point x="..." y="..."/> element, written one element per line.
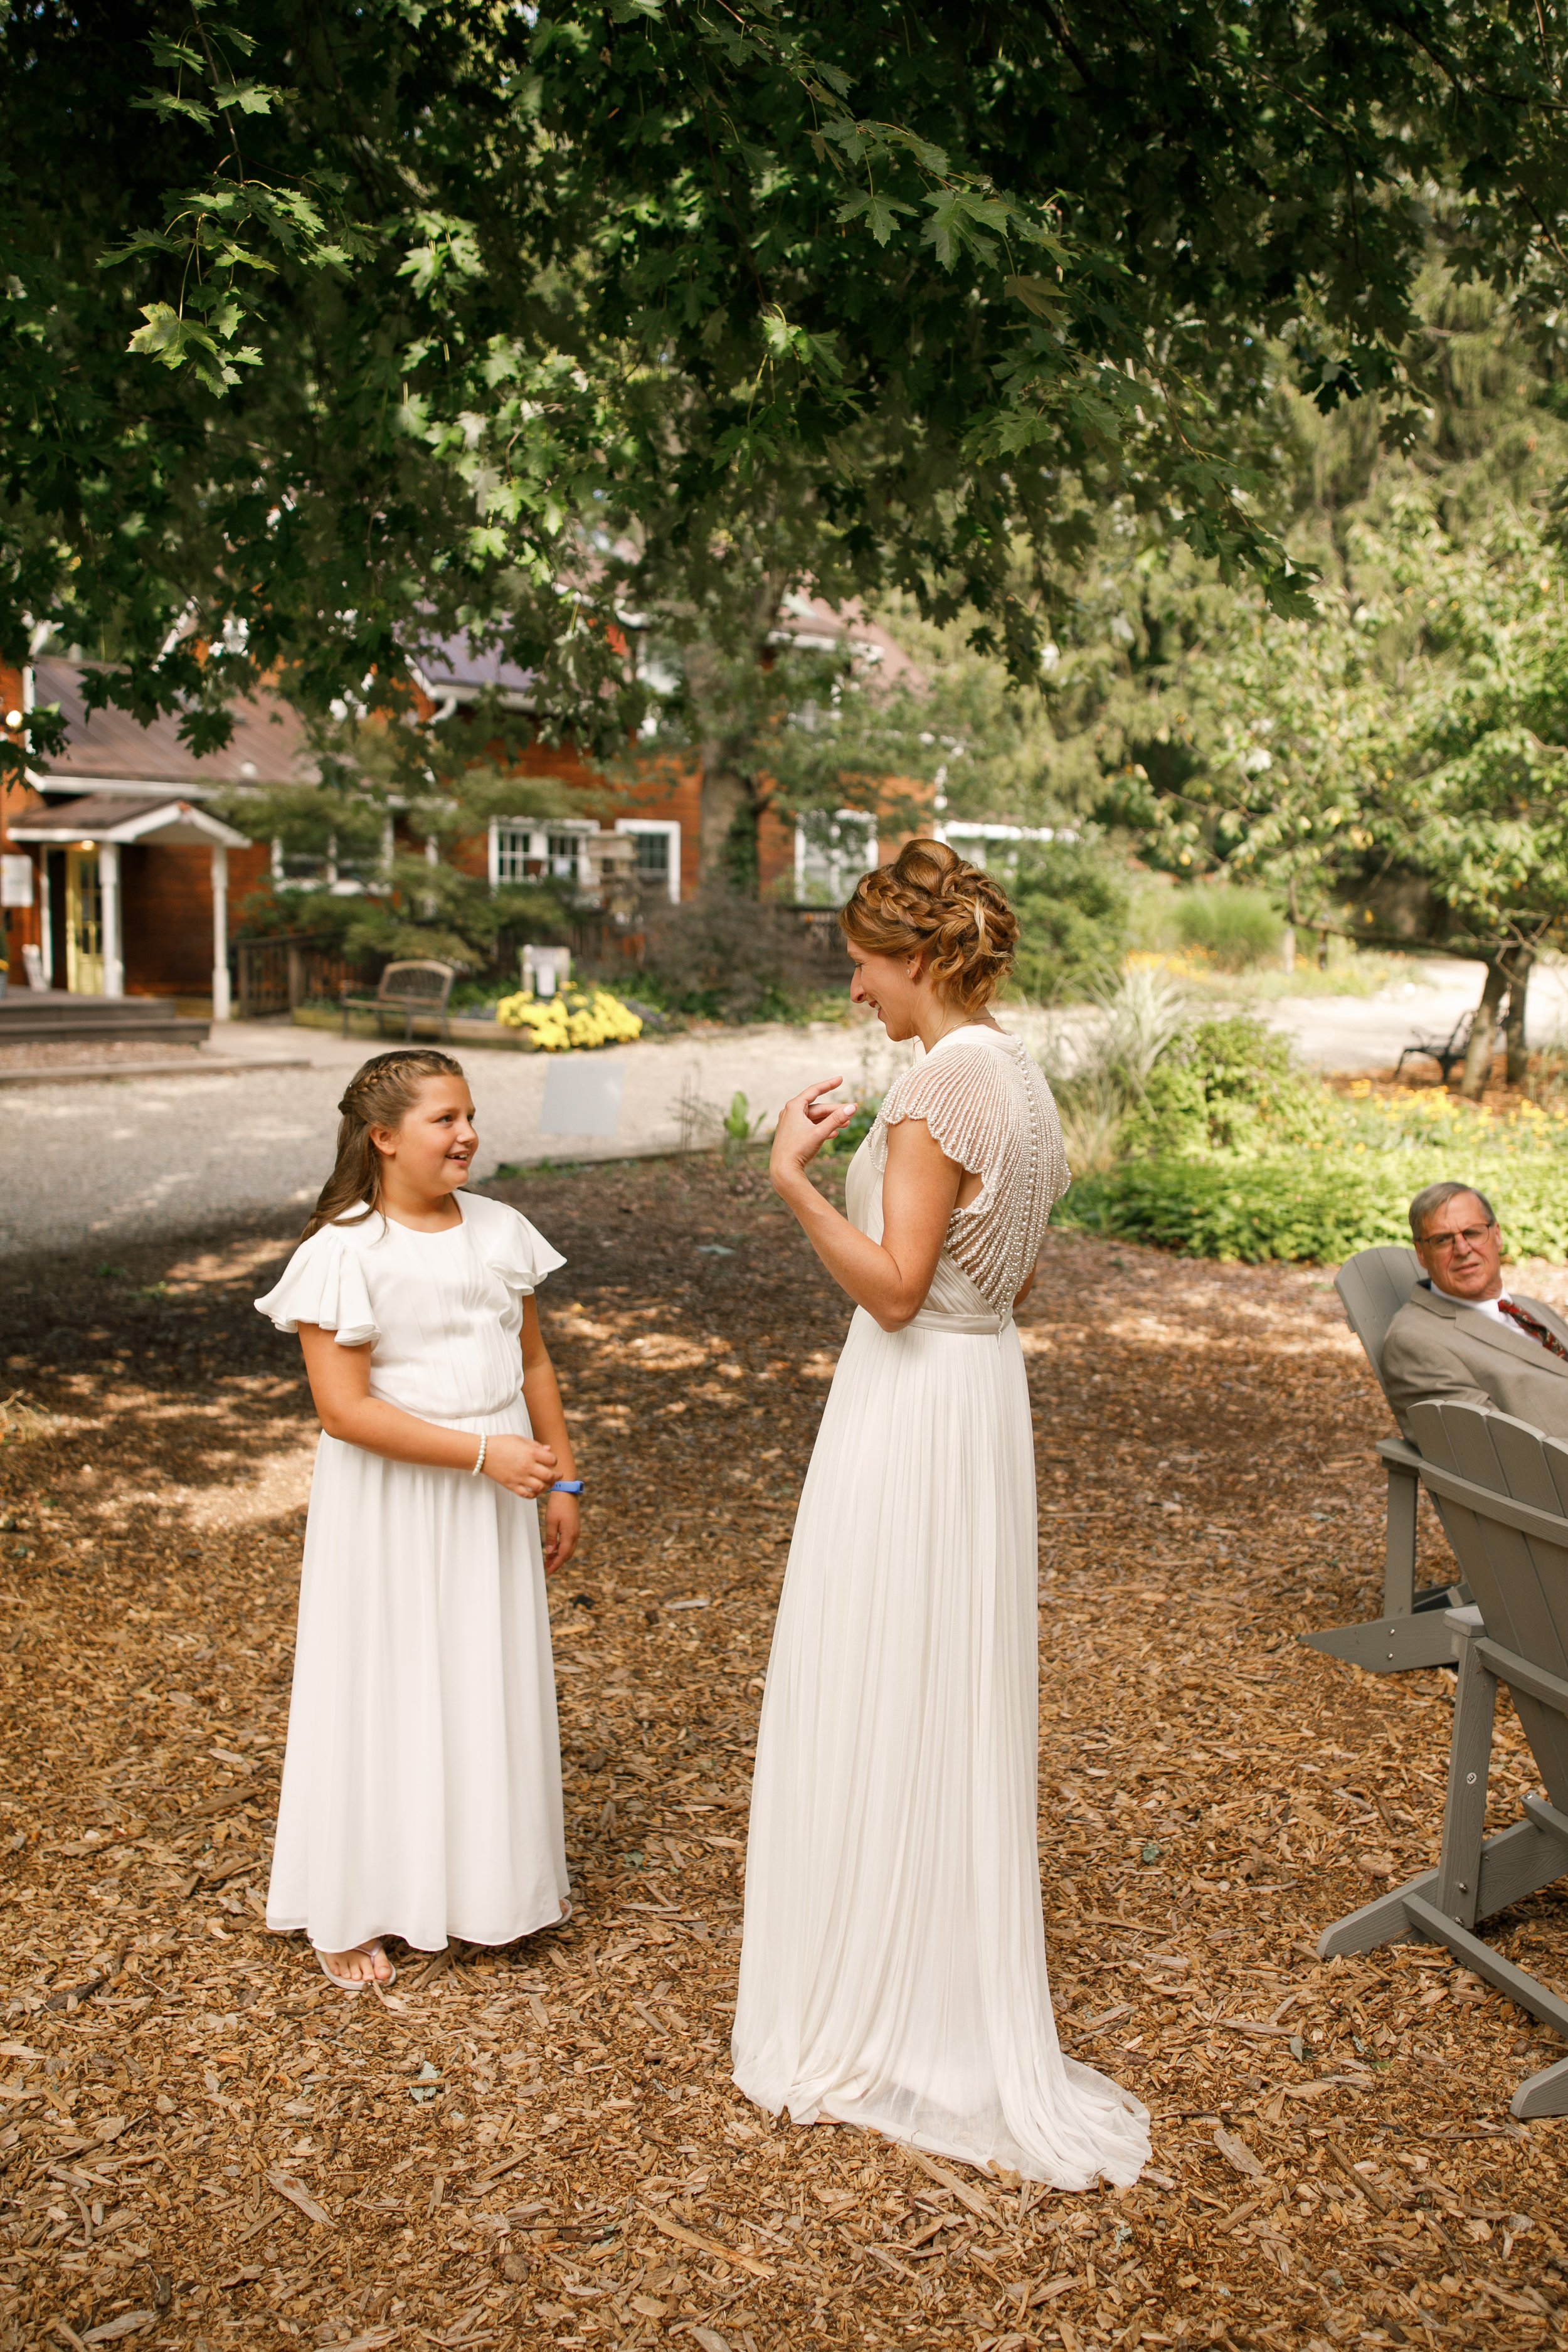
<point x="574" y="1019"/>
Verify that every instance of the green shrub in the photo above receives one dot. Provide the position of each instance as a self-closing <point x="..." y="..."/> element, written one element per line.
<point x="1228" y="1086"/>
<point x="1236" y="929"/>
<point x="1217" y="1145"/>
<point x="1073" y="906"/>
<point x="1310" y="1205"/>
<point x="854" y="1131"/>
<point x="718" y="957"/>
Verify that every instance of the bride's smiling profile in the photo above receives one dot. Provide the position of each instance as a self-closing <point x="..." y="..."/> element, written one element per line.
<point x="893" y="1967"/>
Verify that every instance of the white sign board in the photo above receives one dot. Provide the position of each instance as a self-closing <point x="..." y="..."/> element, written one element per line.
<point x="581" y="1097"/>
<point x="545" y="969"/>
<point x="16" y="881"/>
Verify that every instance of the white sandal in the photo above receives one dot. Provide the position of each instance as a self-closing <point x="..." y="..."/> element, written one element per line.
<point x="372" y="1951"/>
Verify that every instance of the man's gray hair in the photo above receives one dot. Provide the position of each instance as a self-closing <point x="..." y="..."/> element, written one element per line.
<point x="1434" y="1197"/>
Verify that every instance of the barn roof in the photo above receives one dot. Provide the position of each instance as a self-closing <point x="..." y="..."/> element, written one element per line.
<point x="109" y="747"/>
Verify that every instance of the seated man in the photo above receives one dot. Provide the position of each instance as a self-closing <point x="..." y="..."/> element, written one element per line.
<point x="1462" y="1338"/>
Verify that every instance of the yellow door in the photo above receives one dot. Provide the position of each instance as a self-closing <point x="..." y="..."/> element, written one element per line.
<point x="84" y="924"/>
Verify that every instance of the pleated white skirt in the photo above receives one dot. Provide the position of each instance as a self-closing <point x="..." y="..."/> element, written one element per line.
<point x="422" y="1782"/>
<point x="893" y="1968"/>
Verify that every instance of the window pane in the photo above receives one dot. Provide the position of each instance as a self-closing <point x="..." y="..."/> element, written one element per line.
<point x="653" y="856"/>
<point x="511" y="853"/>
<point x="834" y="851"/>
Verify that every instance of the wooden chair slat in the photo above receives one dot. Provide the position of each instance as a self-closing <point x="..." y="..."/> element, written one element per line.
<point x="1501" y="1566"/>
<point x="1522" y="1458"/>
<point x="1427" y="1431"/>
<point x="1470" y="1448"/>
<point x="1485" y="1472"/>
<point x="1555" y="1457"/>
<point x="1372" y="1287"/>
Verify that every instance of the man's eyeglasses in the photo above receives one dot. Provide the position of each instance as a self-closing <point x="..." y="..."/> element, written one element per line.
<point x="1472" y="1236"/>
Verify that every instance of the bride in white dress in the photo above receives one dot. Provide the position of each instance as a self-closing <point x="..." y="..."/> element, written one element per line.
<point x="893" y="1967"/>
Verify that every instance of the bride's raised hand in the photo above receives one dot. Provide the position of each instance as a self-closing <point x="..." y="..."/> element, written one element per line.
<point x="805" y="1124"/>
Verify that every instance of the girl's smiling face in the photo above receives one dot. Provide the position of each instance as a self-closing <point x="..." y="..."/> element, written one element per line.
<point x="430" y="1152"/>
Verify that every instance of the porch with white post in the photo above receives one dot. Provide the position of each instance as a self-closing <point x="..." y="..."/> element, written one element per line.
<point x="110" y="927"/>
<point x="109" y="822"/>
<point x="220" y="931"/>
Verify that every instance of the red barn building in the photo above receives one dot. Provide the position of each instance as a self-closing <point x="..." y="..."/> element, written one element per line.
<point x="117" y="879"/>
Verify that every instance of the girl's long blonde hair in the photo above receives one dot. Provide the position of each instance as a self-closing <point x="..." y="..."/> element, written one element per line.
<point x="380" y="1093"/>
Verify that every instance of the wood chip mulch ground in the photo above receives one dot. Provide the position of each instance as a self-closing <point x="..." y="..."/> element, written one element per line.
<point x="203" y="2143"/>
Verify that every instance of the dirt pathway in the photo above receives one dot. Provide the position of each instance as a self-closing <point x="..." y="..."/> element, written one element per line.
<point x="203" y="2143"/>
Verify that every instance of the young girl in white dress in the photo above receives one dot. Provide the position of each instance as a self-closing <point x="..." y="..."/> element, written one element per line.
<point x="422" y="1781"/>
<point x="893" y="1966"/>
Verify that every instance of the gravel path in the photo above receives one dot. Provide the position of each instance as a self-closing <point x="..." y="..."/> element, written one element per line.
<point x="145" y="1157"/>
<point x="127" y="1161"/>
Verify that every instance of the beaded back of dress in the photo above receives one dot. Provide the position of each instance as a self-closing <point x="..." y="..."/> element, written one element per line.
<point x="985" y="1102"/>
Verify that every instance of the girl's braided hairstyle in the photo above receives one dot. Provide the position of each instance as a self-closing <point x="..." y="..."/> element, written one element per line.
<point x="380" y="1093"/>
<point x="930" y="900"/>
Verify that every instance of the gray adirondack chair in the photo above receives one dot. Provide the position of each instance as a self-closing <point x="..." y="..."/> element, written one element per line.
<point x="1501" y="1489"/>
<point x="1373" y="1287"/>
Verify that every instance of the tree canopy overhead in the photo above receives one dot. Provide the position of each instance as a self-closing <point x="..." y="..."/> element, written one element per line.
<point x="330" y="326"/>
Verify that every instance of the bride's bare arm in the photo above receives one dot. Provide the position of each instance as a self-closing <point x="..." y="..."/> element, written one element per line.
<point x="888" y="1278"/>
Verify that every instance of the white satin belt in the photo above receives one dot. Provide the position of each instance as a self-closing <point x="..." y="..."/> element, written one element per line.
<point x="988" y="1327"/>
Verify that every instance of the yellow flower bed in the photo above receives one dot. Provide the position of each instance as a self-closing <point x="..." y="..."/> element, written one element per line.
<point x="572" y="1019"/>
<point x="1430" y="1115"/>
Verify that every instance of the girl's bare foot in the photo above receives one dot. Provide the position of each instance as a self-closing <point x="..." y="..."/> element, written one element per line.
<point x="366" y="1964"/>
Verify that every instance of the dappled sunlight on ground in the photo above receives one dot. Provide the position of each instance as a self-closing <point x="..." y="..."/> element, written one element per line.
<point x="206" y="2144"/>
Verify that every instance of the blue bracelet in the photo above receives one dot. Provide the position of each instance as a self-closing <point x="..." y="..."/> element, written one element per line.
<point x="567" y="1486"/>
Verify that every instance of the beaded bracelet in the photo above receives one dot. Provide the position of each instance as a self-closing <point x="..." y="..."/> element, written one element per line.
<point x="481" y="1462"/>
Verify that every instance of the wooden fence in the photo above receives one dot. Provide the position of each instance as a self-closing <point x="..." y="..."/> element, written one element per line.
<point x="277" y="975"/>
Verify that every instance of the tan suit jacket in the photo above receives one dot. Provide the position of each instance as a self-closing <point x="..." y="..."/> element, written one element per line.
<point x="1438" y="1348"/>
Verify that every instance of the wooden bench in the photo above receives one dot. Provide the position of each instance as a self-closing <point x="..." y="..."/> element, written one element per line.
<point x="1501" y="1490"/>
<point x="1446" y="1051"/>
<point x="1412" y="1632"/>
<point x="414" y="990"/>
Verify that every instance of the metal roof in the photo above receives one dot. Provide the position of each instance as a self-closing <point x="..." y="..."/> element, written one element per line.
<point x="455" y="665"/>
<point x="111" y="747"/>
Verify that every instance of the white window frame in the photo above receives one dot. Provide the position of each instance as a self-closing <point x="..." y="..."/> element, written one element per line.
<point x="961" y="829"/>
<point x="329" y="879"/>
<point x="537" y="843"/>
<point x="671" y="828"/>
<point x="861" y="816"/>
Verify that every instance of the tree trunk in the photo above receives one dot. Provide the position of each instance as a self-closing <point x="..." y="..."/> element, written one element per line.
<point x="1483" y="1031"/>
<point x="1519" y="961"/>
<point x="726" y="807"/>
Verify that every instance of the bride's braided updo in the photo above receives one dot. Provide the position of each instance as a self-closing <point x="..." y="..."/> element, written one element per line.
<point x="930" y="900"/>
<point x="380" y="1093"/>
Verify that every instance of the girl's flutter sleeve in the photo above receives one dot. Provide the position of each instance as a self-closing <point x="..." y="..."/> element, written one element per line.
<point x="513" y="1249"/>
<point x="325" y="1283"/>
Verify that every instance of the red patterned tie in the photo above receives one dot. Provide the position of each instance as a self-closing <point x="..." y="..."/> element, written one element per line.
<point x="1533" y="1328"/>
